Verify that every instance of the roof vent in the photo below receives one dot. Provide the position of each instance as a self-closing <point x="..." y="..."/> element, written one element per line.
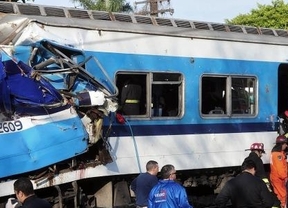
<point x="143" y="20"/>
<point x="101" y="15"/>
<point x="218" y="27"/>
<point x="251" y="30"/>
<point x="54" y="12"/>
<point x="6" y="8"/>
<point x="282" y="33"/>
<point x="82" y="14"/>
<point x="183" y="23"/>
<point x="29" y="9"/>
<point x="235" y="28"/>
<point x="201" y="25"/>
<point x="266" y="31"/>
<point x="163" y="22"/>
<point x="123" y="17"/>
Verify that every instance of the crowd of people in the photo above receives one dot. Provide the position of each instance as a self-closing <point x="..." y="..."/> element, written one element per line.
<point x="253" y="187"/>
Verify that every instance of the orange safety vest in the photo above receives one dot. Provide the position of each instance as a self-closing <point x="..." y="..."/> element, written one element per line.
<point x="278" y="175"/>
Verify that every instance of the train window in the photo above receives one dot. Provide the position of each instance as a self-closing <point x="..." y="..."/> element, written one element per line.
<point x="166" y="94"/>
<point x="228" y="95"/>
<point x="157" y="95"/>
<point x="243" y="95"/>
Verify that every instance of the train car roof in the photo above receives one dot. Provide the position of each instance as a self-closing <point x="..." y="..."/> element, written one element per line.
<point x="19" y="15"/>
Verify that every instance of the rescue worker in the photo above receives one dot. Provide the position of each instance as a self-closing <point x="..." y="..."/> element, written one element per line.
<point x="245" y="190"/>
<point x="283" y="124"/>
<point x="257" y="149"/>
<point x="278" y="166"/>
<point x="130" y="98"/>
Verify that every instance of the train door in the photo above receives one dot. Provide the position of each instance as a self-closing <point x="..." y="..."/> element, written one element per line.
<point x="282" y="88"/>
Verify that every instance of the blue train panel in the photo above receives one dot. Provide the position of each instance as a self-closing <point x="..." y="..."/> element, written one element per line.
<point x="37" y="127"/>
<point x="33" y="142"/>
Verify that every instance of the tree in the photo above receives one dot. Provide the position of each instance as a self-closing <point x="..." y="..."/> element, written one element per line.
<point x="105" y="5"/>
<point x="267" y="16"/>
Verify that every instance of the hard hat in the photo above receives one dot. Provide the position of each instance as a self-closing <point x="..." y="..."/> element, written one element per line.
<point x="281" y="139"/>
<point x="257" y="146"/>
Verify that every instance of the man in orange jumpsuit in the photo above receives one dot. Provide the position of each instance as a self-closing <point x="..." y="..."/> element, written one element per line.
<point x="278" y="166"/>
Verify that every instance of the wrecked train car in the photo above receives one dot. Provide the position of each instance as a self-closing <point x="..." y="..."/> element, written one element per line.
<point x="204" y="99"/>
<point x="51" y="108"/>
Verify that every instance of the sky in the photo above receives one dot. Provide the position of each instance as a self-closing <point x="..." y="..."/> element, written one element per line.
<point x="198" y="10"/>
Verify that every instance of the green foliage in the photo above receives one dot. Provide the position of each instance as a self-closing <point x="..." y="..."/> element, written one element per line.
<point x="105" y="5"/>
<point x="267" y="16"/>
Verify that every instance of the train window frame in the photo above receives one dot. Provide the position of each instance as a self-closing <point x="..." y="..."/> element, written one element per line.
<point x="166" y="87"/>
<point x="232" y="95"/>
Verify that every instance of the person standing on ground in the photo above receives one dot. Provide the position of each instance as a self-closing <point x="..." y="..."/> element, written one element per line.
<point x="278" y="169"/>
<point x="168" y="192"/>
<point x="257" y="150"/>
<point x="144" y="182"/>
<point x="245" y="190"/>
<point x="24" y="191"/>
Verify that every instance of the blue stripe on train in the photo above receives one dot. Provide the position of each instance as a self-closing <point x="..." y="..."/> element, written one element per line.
<point x="162" y="130"/>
